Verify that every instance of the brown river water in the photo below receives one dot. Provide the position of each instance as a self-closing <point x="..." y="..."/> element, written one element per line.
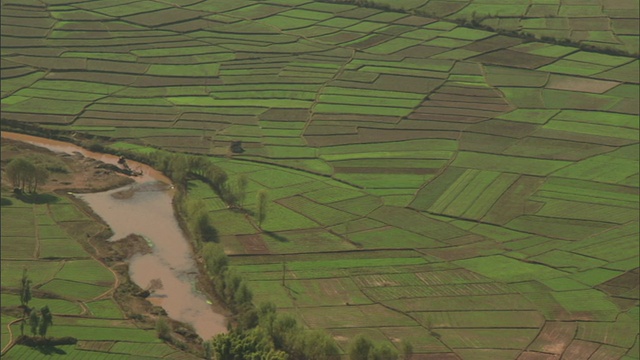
<point x="147" y="210"/>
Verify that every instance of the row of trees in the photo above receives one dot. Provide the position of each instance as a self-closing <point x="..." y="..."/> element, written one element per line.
<point x="364" y="349"/>
<point x="274" y="337"/>
<point x="25" y="174"/>
<point x="180" y="167"/>
<point x="230" y="287"/>
<point x="39" y="320"/>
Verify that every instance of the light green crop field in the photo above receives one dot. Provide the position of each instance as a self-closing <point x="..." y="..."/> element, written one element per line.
<point x="433" y="175"/>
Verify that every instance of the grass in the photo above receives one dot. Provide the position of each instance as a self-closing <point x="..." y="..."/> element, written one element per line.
<point x="334" y="264"/>
<point x="318" y="241"/>
<point x="89" y="271"/>
<point x="502" y="268"/>
<point x="144" y="349"/>
<point x="463" y="193"/>
<point x="321" y="214"/>
<point x="106" y="333"/>
<point x="57" y="306"/>
<point x="105" y="309"/>
<point x="482" y="319"/>
<point x="76" y="290"/>
<point x="603" y="168"/>
<point x="61" y="248"/>
<point x="501" y="163"/>
<point x="326" y="292"/>
<point x="368" y="100"/>
<point x="364" y="110"/>
<point x="355" y="316"/>
<point x="39" y="272"/>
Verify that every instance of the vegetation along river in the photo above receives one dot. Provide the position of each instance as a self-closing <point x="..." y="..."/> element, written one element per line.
<point x="145" y="208"/>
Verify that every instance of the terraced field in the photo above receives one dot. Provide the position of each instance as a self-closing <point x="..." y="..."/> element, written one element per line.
<point x="473" y="193"/>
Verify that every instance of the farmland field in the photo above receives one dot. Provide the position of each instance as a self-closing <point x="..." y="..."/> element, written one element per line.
<point x="458" y="174"/>
<point x="81" y="308"/>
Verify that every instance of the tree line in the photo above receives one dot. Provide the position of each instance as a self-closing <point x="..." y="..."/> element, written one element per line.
<point x="39" y="320"/>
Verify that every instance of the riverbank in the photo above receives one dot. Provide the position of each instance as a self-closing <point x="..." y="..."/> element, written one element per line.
<point x="79" y="174"/>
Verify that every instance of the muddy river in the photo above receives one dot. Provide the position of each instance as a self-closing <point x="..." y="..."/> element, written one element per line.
<point x="145" y="208"/>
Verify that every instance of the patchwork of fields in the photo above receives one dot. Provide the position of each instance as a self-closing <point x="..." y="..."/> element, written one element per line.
<point x="473" y="193"/>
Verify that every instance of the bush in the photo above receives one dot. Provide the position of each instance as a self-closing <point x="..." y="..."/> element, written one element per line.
<point x="163" y="328"/>
<point x="360" y="348"/>
<point x="363" y="349"/>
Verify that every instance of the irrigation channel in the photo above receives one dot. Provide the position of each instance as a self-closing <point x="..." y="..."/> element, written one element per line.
<point x="145" y="208"/>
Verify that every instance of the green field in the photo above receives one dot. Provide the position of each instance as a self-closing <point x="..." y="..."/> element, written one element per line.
<point x="460" y="174"/>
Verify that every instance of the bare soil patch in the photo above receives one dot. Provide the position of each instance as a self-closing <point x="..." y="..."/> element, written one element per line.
<point x="493" y="43"/>
<point x="572" y="83"/>
<point x="76" y="172"/>
<point x="253" y="244"/>
<point x="514" y="59"/>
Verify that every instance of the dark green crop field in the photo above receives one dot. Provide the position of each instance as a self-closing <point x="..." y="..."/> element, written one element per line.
<point x="460" y="174"/>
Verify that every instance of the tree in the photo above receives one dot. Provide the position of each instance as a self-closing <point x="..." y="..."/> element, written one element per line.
<point x="266" y="316"/>
<point x="163" y="328"/>
<point x="232" y="282"/>
<point x="215" y="259"/>
<point x="46" y="321"/>
<point x="34" y="321"/>
<point x="383" y="352"/>
<point x="160" y="160"/>
<point x="246" y="345"/>
<point x="242" y="295"/>
<point x="407" y="350"/>
<point x="227" y="194"/>
<point x="315" y="345"/>
<point x="247" y="317"/>
<point x="16" y="171"/>
<point x="25" y="289"/>
<point x="179" y="168"/>
<point x="241" y="188"/>
<point x="360" y="348"/>
<point x="261" y="214"/>
<point x="198" y="221"/>
<point x="208" y="350"/>
<point x="40" y="176"/>
<point x="197" y="164"/>
<point x="216" y="176"/>
<point x="284" y="327"/>
<point x="25" y="297"/>
<point x="24" y="175"/>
